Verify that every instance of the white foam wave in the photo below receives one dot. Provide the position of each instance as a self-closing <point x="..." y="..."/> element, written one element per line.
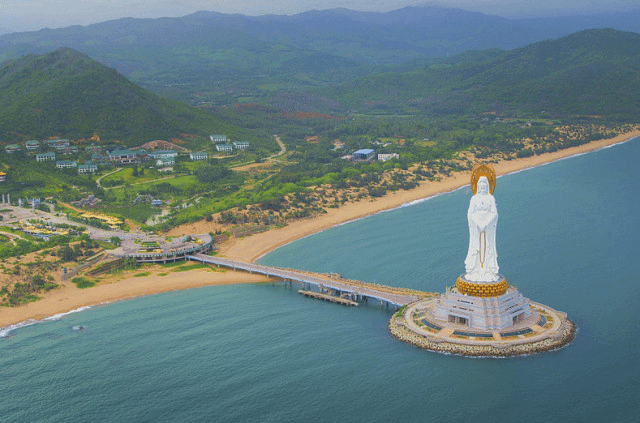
<point x="4" y="332"/>
<point x="61" y="315"/>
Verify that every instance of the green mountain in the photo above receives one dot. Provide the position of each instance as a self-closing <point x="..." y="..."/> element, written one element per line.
<point x="65" y="93"/>
<point x="212" y="58"/>
<point x="593" y="72"/>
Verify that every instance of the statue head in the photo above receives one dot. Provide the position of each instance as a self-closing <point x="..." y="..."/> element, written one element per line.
<point x="486" y="171"/>
<point x="483" y="185"/>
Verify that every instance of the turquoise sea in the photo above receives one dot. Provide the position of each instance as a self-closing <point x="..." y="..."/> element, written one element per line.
<point x="568" y="236"/>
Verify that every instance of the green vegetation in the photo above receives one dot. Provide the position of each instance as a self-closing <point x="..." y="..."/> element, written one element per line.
<point x="187" y="267"/>
<point x="587" y="73"/>
<point x="67" y="94"/>
<point x="82" y="283"/>
<point x="401" y="310"/>
<point x="27" y="244"/>
<point x="435" y="116"/>
<point x="25" y="291"/>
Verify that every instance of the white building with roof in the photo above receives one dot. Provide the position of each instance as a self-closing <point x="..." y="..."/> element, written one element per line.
<point x="218" y="139"/>
<point x="226" y="148"/>
<point x="241" y="145"/>
<point x="202" y="155"/>
<point x="66" y="164"/>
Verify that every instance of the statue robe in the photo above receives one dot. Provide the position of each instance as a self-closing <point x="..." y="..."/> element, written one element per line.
<point x="481" y="263"/>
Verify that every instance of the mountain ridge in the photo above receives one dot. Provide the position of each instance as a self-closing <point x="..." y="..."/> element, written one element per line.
<point x="66" y="93"/>
<point x="591" y="72"/>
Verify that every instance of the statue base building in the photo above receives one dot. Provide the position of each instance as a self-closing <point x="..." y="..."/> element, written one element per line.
<point x="482" y="305"/>
<point x="545" y="329"/>
<point x="482" y="315"/>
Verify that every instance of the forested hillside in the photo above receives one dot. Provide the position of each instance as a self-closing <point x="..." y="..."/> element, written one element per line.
<point x="215" y="59"/>
<point x="65" y="93"/>
<point x="593" y="72"/>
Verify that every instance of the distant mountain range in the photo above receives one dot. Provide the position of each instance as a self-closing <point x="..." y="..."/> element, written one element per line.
<point x="593" y="72"/>
<point x="213" y="58"/>
<point x="67" y="94"/>
<point x="328" y="61"/>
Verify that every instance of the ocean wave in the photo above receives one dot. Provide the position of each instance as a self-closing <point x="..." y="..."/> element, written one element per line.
<point x="4" y="332"/>
<point x="61" y="315"/>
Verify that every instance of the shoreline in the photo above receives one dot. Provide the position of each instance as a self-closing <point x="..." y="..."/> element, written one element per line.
<point x="251" y="248"/>
<point x="69" y="298"/>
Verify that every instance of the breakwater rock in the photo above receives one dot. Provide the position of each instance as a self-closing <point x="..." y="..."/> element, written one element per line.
<point x="562" y="336"/>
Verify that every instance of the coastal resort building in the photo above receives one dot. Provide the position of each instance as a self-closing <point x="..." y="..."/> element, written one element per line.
<point x="218" y="139"/>
<point x="87" y="168"/>
<point x="163" y="154"/>
<point x="165" y="161"/>
<point x="364" y="155"/>
<point x="12" y="148"/>
<point x="89" y="201"/>
<point x="72" y="149"/>
<point x="66" y="164"/>
<point x="202" y="155"/>
<point x="150" y="248"/>
<point x="32" y="145"/>
<point x="388" y="156"/>
<point x="99" y="157"/>
<point x="482" y="314"/>
<point x="225" y="148"/>
<point x="240" y="145"/>
<point x="44" y="157"/>
<point x="57" y="143"/>
<point x="93" y="148"/>
<point x="128" y="156"/>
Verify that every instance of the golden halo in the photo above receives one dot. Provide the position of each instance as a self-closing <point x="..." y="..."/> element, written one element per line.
<point x="483" y="170"/>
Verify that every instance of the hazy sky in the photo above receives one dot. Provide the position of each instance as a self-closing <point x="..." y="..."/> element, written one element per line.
<point x="25" y="15"/>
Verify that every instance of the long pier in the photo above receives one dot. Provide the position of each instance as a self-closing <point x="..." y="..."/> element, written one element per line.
<point x="324" y="284"/>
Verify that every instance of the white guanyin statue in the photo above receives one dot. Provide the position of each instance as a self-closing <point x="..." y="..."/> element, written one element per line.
<point x="481" y="263"/>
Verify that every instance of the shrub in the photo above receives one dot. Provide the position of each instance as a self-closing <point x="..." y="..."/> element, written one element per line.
<point x="82" y="282"/>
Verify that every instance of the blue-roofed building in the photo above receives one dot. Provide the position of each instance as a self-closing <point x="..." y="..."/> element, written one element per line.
<point x="163" y="154"/>
<point x="227" y="148"/>
<point x="12" y="148"/>
<point x="43" y="157"/>
<point x="165" y="161"/>
<point x="364" y="155"/>
<point x="218" y="138"/>
<point x="202" y="155"/>
<point x="66" y="164"/>
<point x="87" y="168"/>
<point x="240" y="145"/>
<point x="128" y="156"/>
<point x="32" y="145"/>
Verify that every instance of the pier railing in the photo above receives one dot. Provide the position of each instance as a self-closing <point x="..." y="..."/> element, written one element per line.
<point x="342" y="288"/>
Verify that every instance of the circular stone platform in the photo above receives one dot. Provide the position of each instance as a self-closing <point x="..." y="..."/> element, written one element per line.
<point x="546" y="329"/>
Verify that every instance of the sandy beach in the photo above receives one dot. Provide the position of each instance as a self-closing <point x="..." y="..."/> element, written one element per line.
<point x="68" y="297"/>
<point x="251" y="248"/>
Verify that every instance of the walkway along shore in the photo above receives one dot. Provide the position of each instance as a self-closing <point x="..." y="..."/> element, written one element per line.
<point x="249" y="249"/>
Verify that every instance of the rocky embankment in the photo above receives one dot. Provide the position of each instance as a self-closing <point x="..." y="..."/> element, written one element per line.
<point x="566" y="334"/>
